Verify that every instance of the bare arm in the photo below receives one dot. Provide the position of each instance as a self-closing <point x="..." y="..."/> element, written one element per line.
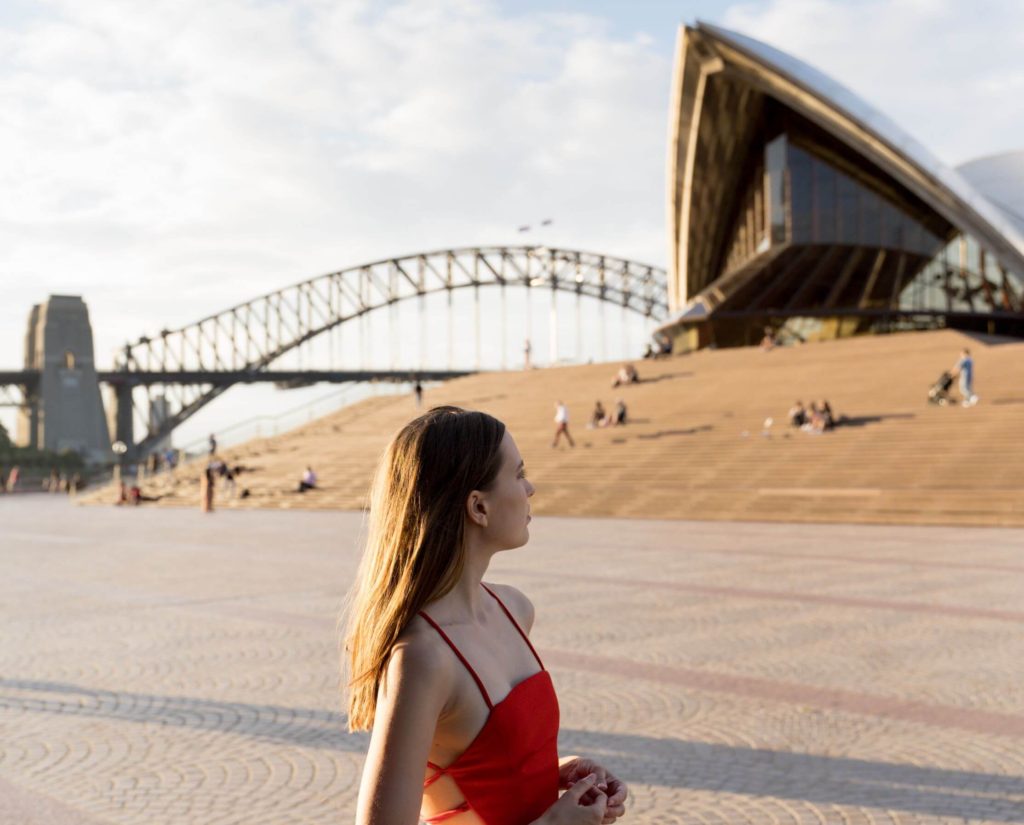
<point x="418" y="685"/>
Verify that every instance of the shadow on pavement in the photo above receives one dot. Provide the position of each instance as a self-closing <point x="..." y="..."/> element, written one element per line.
<point x="670" y="762"/>
<point x="308" y="727"/>
<point x="798" y="776"/>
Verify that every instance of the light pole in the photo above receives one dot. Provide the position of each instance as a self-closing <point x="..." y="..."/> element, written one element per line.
<point x="536" y="252"/>
<point x="119" y="448"/>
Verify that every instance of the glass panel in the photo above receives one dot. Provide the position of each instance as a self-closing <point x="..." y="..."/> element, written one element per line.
<point x="849" y="220"/>
<point x="913" y="238"/>
<point x="825" y="202"/>
<point x="871" y="219"/>
<point x="801" y="194"/>
<point x="835" y="208"/>
<point x="1014" y="289"/>
<point x="775" y="171"/>
<point x="892" y="227"/>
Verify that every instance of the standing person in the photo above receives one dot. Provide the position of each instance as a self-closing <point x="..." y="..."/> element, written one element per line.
<point x="463" y="714"/>
<point x="965" y="370"/>
<point x="526" y="355"/>
<point x="562" y="424"/>
<point x="418" y="392"/>
<point x="213" y="444"/>
<point x="207" y="482"/>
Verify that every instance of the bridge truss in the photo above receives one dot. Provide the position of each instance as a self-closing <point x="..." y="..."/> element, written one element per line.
<point x="251" y="336"/>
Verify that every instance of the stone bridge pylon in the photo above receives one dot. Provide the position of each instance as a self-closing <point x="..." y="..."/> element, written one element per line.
<point x="63" y="409"/>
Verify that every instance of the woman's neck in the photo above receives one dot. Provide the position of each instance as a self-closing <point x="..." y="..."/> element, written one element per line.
<point x="464" y="602"/>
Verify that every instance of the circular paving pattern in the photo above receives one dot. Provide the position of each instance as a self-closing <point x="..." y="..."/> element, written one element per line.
<point x="852" y="677"/>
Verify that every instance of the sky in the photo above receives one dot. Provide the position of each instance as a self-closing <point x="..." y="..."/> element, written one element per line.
<point x="172" y="158"/>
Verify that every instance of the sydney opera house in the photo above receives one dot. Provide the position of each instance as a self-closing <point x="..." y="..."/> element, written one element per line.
<point x="795" y="205"/>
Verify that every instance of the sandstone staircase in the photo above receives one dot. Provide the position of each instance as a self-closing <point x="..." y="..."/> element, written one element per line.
<point x="697" y="446"/>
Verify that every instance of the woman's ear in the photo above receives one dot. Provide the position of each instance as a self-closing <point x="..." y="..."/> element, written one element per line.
<point x="476" y="508"/>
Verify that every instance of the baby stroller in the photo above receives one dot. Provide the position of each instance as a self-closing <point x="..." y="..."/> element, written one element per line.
<point x="939" y="392"/>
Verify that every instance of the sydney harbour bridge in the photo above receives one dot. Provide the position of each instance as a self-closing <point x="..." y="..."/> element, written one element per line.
<point x="160" y="380"/>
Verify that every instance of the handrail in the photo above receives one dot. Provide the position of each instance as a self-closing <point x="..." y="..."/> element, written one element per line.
<point x="270" y="425"/>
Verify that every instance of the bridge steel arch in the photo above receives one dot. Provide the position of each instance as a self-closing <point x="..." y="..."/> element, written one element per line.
<point x="250" y="336"/>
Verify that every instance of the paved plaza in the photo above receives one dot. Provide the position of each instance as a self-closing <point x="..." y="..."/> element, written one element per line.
<point x="159" y="666"/>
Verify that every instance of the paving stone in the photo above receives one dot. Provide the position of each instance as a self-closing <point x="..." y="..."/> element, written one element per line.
<point x="159" y="666"/>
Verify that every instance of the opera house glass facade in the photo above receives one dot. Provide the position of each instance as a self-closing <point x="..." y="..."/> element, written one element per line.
<point x="794" y="205"/>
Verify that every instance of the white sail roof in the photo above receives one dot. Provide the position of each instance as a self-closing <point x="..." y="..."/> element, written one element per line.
<point x="1000" y="178"/>
<point x="841" y="99"/>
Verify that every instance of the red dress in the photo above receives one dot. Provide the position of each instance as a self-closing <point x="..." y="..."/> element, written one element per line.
<point x="509" y="772"/>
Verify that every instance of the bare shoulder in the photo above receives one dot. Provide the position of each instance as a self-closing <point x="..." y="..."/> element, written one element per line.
<point x="517" y="603"/>
<point x="420" y="658"/>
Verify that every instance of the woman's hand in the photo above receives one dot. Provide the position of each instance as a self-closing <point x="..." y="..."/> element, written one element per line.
<point x="582" y="804"/>
<point x="572" y="771"/>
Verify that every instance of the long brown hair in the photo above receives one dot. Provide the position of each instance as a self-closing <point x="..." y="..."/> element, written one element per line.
<point x="415" y="549"/>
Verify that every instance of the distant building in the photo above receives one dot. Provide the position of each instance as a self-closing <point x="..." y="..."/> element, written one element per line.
<point x="794" y="204"/>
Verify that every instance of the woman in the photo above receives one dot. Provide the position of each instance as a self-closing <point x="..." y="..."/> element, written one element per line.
<point x="463" y="714"/>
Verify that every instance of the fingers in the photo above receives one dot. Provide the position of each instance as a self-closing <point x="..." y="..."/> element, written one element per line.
<point x="599" y="806"/>
<point x="581" y="767"/>
<point x="582" y="787"/>
<point x="617" y="792"/>
<point x="612" y="813"/>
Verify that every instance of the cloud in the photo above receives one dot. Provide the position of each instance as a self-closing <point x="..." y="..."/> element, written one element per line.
<point x="170" y="159"/>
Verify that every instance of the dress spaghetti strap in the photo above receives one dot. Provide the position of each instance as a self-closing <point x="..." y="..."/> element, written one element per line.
<point x="462" y="659"/>
<point x="515" y="624"/>
<point x="519" y="740"/>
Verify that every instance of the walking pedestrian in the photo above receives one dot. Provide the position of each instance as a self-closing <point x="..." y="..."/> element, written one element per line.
<point x="562" y="424"/>
<point x="442" y="670"/>
<point x="418" y="392"/>
<point x="965" y="370"/>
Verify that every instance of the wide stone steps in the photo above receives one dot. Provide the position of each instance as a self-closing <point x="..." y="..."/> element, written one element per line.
<point x="697" y="446"/>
